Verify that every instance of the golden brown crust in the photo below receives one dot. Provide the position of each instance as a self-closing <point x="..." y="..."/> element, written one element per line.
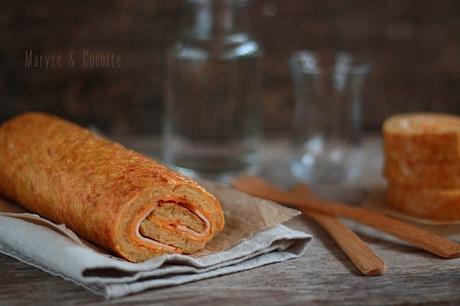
<point x="439" y="204"/>
<point x="422" y="175"/>
<point x="98" y="188"/>
<point x="422" y="137"/>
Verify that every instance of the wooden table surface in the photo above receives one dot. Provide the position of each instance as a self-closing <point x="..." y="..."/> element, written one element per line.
<point x="323" y="276"/>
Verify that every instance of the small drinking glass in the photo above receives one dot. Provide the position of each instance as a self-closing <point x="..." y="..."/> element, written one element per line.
<point x="327" y="115"/>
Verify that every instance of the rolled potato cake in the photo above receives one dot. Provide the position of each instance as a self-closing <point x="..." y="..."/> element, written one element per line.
<point x="422" y="137"/>
<point x="117" y="198"/>
<point x="437" y="204"/>
<point x="422" y="175"/>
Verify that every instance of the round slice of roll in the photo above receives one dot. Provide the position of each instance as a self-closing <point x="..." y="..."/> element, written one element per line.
<point x="422" y="137"/>
<point x="119" y="199"/>
<point x="438" y="204"/>
<point x="422" y="175"/>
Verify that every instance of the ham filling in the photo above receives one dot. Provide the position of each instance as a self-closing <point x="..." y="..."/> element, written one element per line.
<point x="167" y="214"/>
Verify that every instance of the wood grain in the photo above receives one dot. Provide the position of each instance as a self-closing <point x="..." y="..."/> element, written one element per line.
<point x="413" y="46"/>
<point x="324" y="276"/>
<point x="421" y="238"/>
<point x="365" y="260"/>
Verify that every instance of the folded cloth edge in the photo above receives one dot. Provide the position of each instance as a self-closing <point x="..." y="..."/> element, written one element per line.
<point x="111" y="290"/>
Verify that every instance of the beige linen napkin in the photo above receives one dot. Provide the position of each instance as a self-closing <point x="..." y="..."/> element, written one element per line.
<point x="253" y="236"/>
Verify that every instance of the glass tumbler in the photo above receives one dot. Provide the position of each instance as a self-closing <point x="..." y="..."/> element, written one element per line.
<point x="212" y="115"/>
<point x="327" y="115"/>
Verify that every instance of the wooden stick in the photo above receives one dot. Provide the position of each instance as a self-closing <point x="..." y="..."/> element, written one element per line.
<point x="364" y="259"/>
<point x="404" y="231"/>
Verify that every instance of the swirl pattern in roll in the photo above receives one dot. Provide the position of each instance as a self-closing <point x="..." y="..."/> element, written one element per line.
<point x="119" y="199"/>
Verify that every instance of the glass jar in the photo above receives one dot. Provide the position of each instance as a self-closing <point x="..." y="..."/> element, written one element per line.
<point x="327" y="115"/>
<point x="212" y="115"/>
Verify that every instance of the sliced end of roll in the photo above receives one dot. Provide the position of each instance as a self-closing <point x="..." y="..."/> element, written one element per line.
<point x="171" y="219"/>
<point x="422" y="123"/>
<point x="422" y="137"/>
<point x="422" y="175"/>
<point x="437" y="204"/>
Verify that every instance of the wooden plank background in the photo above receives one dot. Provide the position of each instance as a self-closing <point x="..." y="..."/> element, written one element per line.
<point x="414" y="46"/>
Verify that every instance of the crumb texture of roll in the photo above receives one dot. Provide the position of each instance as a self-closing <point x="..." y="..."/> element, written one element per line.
<point x="422" y="164"/>
<point x="422" y="137"/>
<point x="436" y="204"/>
<point x="117" y="198"/>
<point x="422" y="175"/>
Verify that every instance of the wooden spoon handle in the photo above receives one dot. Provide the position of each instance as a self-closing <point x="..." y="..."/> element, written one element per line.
<point x="421" y="238"/>
<point x="364" y="259"/>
